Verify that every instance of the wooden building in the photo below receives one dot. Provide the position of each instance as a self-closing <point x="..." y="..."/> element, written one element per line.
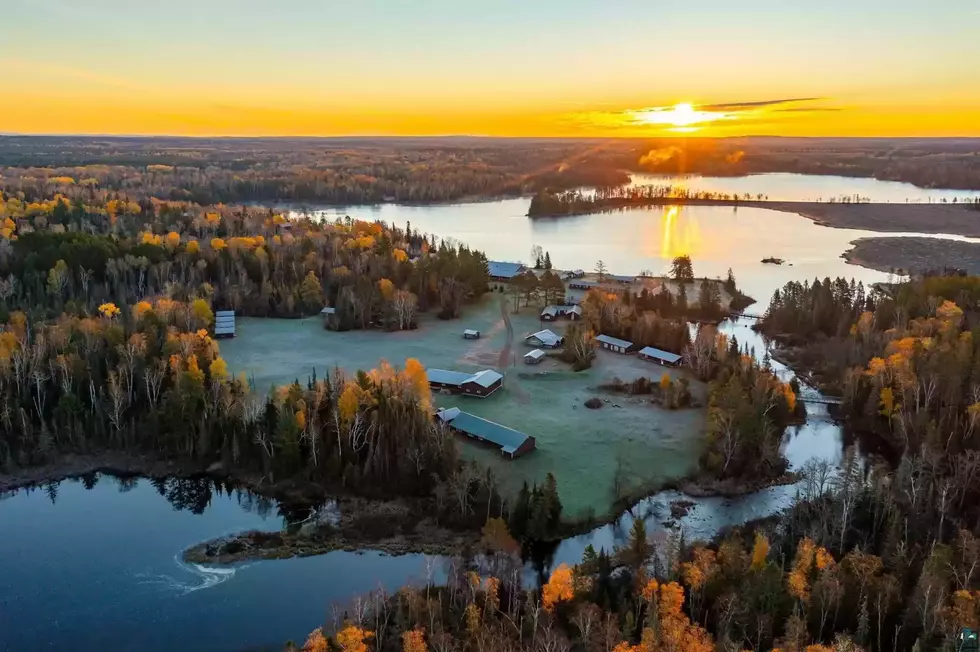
<point x="331" y="320"/>
<point x="659" y="356"/>
<point x="551" y="313"/>
<point x="534" y="357"/>
<point x="481" y="384"/>
<point x="512" y="443"/>
<point x="614" y="344"/>
<point x="470" y="334"/>
<point x="224" y="324"/>
<point x="544" y="339"/>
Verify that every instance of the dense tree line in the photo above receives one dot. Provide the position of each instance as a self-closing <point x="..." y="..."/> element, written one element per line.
<point x="749" y="409"/>
<point x="312" y="171"/>
<point x="68" y="254"/>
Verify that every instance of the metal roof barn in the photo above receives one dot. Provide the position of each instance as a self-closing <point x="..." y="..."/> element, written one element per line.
<point x="444" y="377"/>
<point x="659" y="355"/>
<point x="511" y="442"/>
<point x="614" y="343"/>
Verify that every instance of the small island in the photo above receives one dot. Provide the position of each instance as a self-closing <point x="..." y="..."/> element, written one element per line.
<point x="772" y="261"/>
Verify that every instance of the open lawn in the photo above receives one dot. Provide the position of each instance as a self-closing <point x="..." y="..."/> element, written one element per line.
<point x="582" y="447"/>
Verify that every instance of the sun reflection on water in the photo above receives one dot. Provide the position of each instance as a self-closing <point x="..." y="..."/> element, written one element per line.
<point x="680" y="233"/>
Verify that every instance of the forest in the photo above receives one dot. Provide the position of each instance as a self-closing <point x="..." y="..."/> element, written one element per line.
<point x="74" y="252"/>
<point x="416" y="170"/>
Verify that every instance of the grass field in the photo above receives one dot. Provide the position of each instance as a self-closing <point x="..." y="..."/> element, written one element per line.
<point x="582" y="447"/>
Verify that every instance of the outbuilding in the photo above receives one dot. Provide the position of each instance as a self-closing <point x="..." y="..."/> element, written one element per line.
<point x="614" y="344"/>
<point x="481" y="384"/>
<point x="545" y="339"/>
<point x="534" y="357"/>
<point x="331" y="320"/>
<point x="659" y="356"/>
<point x="511" y="442"/>
<point x="502" y="271"/>
<point x="471" y="334"/>
<point x="224" y="323"/>
<point x="551" y="313"/>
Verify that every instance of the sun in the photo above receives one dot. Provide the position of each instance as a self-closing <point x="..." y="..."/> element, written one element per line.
<point x="681" y="116"/>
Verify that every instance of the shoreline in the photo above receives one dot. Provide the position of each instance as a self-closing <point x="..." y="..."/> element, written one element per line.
<point x="392" y="526"/>
<point x="937" y="219"/>
<point x="917" y="254"/>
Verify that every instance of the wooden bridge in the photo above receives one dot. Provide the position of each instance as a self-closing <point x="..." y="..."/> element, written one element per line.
<point x="820" y="400"/>
<point x="747" y="315"/>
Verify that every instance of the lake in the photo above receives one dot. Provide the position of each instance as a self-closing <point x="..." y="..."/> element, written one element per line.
<point x="96" y="566"/>
<point x="647" y="239"/>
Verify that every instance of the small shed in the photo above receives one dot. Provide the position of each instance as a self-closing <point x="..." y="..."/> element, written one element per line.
<point x="534" y="357"/>
<point x="224" y="323"/>
<point x="545" y="339"/>
<point x="330" y="318"/>
<point x="660" y="356"/>
<point x="614" y="344"/>
<point x="471" y="334"/>
<point x="550" y="313"/>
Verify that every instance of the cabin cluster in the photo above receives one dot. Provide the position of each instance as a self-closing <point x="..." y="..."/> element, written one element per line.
<point x="552" y="313"/>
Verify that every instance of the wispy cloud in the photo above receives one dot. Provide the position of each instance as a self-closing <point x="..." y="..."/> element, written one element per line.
<point x="758" y="104"/>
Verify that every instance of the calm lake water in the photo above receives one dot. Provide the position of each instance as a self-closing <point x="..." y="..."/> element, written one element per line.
<point x="98" y="568"/>
<point x="805" y="187"/>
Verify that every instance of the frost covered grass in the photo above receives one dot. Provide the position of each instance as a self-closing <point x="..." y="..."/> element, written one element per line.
<point x="584" y="448"/>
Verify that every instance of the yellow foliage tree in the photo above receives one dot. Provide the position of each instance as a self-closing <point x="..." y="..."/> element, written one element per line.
<point x="316" y="642"/>
<point x="352" y="639"/>
<point x="192" y="247"/>
<point x="109" y="310"/>
<point x="416" y="374"/>
<point x="348" y="403"/>
<point x="887" y="402"/>
<point x="218" y="244"/>
<point x="414" y="641"/>
<point x="560" y="587"/>
<point x="399" y="255"/>
<point x="700" y="569"/>
<point x="141" y="309"/>
<point x="173" y="240"/>
<point x="760" y="551"/>
<point x="202" y="312"/>
<point x="310" y="291"/>
<point x="790" y="397"/>
<point x="665" y="382"/>
<point x="219" y="369"/>
<point x="387" y="288"/>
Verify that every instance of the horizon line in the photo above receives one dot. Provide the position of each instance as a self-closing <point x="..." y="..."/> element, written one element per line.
<point x="461" y="136"/>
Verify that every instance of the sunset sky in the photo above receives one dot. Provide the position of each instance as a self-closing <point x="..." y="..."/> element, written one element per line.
<point x="503" y="68"/>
